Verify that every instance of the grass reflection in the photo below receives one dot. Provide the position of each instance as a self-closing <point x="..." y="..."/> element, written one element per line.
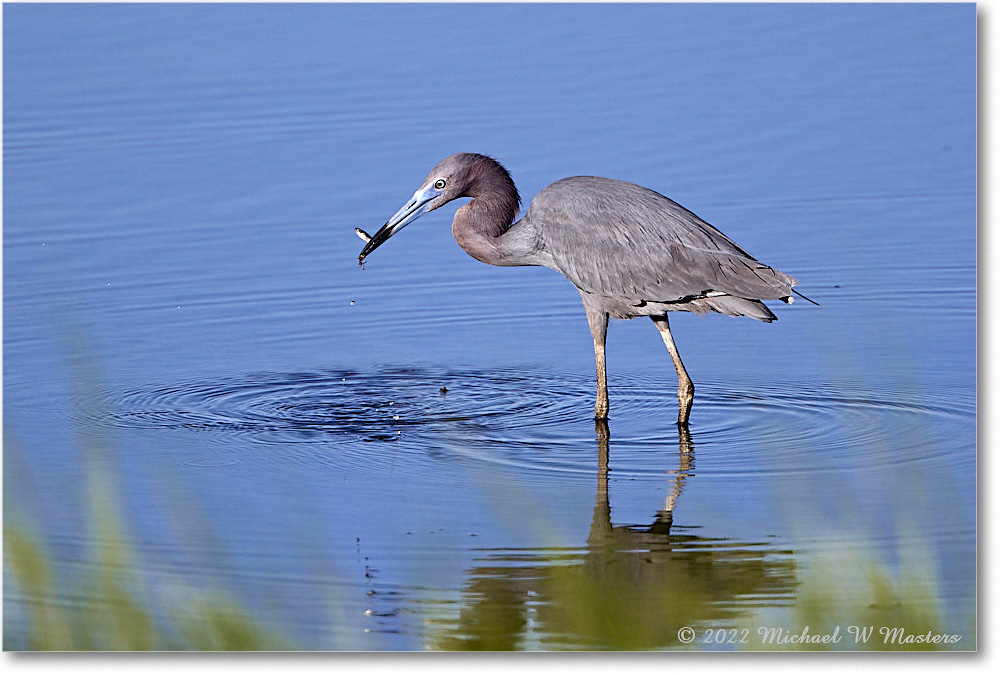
<point x="630" y="588"/>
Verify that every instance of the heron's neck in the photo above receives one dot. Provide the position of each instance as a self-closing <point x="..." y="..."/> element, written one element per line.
<point x="480" y="228"/>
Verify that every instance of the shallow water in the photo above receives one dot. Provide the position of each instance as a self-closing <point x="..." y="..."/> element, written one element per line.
<point x="403" y="456"/>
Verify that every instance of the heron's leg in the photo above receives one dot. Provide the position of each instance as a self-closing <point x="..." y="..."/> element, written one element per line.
<point x="599" y="329"/>
<point x="685" y="387"/>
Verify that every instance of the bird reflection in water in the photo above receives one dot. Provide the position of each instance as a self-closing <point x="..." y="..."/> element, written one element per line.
<point x="660" y="527"/>
<point x="632" y="587"/>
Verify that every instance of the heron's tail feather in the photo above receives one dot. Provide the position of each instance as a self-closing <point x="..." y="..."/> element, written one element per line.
<point x="735" y="306"/>
<point x="805" y="298"/>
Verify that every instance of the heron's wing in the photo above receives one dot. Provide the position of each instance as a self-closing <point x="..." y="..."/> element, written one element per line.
<point x="624" y="241"/>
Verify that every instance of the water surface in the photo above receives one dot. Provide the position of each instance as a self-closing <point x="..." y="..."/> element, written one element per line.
<point x="403" y="457"/>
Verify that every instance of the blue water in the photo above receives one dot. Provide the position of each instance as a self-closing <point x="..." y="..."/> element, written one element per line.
<point x="181" y="297"/>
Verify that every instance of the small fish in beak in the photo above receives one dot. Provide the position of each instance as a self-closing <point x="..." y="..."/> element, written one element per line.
<point x="418" y="205"/>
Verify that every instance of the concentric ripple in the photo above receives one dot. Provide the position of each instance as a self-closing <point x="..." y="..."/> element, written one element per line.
<point x="344" y="405"/>
<point x="801" y="427"/>
<point x="540" y="421"/>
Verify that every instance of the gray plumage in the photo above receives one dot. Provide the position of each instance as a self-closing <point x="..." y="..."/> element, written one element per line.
<point x="650" y="255"/>
<point x="630" y="251"/>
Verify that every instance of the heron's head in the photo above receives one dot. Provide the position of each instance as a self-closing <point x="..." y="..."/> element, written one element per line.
<point x="462" y="175"/>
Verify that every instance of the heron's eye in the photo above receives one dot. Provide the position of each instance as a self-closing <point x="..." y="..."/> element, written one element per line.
<point x="439" y="184"/>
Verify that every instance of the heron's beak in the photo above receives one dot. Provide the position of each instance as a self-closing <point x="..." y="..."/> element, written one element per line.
<point x="418" y="205"/>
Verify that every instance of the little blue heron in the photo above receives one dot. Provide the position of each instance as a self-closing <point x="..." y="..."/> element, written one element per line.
<point x="628" y="250"/>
